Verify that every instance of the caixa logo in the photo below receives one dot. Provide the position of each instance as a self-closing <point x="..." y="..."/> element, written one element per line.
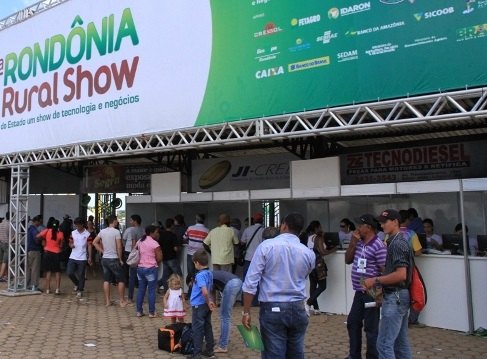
<point x="270" y="72"/>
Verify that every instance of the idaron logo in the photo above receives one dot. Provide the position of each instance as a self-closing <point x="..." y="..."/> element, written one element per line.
<point x="333" y="13"/>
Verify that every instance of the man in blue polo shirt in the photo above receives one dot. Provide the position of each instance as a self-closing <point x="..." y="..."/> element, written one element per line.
<point x="367" y="254"/>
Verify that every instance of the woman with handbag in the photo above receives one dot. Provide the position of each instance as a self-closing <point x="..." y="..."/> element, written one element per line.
<point x="317" y="277"/>
<point x="150" y="254"/>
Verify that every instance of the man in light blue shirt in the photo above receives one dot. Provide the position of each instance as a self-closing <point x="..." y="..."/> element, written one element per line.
<point x="280" y="267"/>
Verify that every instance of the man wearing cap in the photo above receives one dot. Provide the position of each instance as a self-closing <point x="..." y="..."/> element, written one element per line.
<point x="392" y="341"/>
<point x="367" y="254"/>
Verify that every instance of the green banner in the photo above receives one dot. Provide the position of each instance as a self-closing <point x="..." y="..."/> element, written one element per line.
<point x="271" y="57"/>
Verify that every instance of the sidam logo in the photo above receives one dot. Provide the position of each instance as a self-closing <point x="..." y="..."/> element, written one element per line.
<point x="214" y="174"/>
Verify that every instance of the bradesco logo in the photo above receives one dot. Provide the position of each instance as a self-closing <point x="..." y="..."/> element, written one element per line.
<point x="435" y="13"/>
<point x="270" y="72"/>
<point x="334" y="12"/>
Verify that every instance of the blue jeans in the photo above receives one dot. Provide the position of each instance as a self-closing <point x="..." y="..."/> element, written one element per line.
<point x="147" y="279"/>
<point x="283" y="326"/>
<point x="393" y="328"/>
<point x="201" y="326"/>
<point x="76" y="272"/>
<point x="316" y="287"/>
<point x="132" y="282"/>
<point x="169" y="267"/>
<point x="230" y="292"/>
<point x="367" y="318"/>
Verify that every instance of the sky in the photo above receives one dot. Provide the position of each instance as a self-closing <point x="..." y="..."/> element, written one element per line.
<point x="9" y="7"/>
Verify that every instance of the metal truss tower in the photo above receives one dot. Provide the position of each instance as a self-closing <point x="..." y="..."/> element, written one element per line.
<point x="19" y="221"/>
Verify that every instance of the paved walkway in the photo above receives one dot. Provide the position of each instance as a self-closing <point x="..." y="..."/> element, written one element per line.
<point x="50" y="326"/>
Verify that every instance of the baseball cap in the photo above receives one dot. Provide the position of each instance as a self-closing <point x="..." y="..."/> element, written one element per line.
<point x="366" y="219"/>
<point x="389" y="214"/>
<point x="258" y="217"/>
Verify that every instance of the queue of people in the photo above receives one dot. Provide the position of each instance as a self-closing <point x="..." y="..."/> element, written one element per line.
<point x="277" y="262"/>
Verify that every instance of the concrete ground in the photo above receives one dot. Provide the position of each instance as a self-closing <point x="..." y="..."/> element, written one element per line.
<point x="51" y="326"/>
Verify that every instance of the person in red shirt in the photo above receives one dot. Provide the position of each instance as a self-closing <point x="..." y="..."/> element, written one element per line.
<point x="52" y="241"/>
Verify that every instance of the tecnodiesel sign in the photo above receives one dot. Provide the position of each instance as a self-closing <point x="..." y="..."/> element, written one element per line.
<point x="420" y="163"/>
<point x="93" y="70"/>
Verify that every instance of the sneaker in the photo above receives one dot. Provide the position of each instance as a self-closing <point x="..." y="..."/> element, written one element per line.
<point x="75" y="289"/>
<point x="57" y="292"/>
<point x="48" y="291"/>
<point x="220" y="350"/>
<point x="79" y="294"/>
<point x="208" y="354"/>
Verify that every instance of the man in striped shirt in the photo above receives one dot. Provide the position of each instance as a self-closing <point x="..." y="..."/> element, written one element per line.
<point x="194" y="237"/>
<point x="392" y="341"/>
<point x="280" y="267"/>
<point x="367" y="254"/>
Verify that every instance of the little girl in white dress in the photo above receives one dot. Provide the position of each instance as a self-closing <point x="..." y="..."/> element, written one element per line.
<point x="174" y="300"/>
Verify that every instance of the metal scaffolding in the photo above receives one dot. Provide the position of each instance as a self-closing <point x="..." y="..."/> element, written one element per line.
<point x="19" y="221"/>
<point x="466" y="107"/>
<point x="28" y="12"/>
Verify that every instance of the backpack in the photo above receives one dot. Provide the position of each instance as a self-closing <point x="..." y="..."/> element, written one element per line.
<point x="321" y="270"/>
<point x="185" y="344"/>
<point x="417" y="289"/>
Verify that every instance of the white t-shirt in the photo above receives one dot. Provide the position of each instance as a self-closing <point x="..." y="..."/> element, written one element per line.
<point x="109" y="238"/>
<point x="80" y="240"/>
<point x="131" y="233"/>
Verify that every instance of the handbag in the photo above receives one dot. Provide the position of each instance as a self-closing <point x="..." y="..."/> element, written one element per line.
<point x="243" y="252"/>
<point x="134" y="256"/>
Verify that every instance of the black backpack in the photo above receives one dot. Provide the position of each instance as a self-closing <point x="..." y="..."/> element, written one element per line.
<point x="186" y="342"/>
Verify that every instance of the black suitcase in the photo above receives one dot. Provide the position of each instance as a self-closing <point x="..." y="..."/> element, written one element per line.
<point x="168" y="337"/>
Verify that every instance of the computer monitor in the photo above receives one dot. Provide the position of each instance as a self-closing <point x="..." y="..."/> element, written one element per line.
<point x="482" y="244"/>
<point x="422" y="240"/>
<point x="331" y="239"/>
<point x="453" y="242"/>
